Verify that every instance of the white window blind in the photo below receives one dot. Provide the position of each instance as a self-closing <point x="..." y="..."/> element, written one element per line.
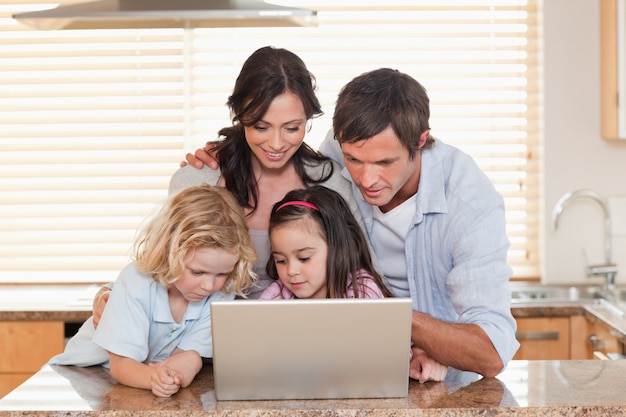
<point x="94" y="122"/>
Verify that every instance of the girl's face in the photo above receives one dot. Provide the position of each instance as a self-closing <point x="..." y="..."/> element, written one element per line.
<point x="206" y="272"/>
<point x="300" y="253"/>
<point x="280" y="132"/>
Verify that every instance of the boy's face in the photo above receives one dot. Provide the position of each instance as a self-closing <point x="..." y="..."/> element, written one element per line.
<point x="382" y="170"/>
<point x="206" y="272"/>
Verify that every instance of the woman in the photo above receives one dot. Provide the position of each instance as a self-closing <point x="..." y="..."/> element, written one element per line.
<point x="262" y="155"/>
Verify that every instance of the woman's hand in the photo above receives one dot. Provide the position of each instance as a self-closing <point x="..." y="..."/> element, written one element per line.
<point x="201" y="157"/>
<point x="424" y="368"/>
<point x="99" y="302"/>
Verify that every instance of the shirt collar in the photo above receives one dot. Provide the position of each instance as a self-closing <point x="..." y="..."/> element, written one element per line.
<point x="164" y="315"/>
<point x="431" y="194"/>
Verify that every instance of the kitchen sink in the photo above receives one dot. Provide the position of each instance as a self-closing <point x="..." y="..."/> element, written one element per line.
<point x="537" y="294"/>
<point x="524" y="292"/>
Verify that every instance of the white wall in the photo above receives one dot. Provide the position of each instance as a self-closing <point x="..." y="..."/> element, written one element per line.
<point x="575" y="155"/>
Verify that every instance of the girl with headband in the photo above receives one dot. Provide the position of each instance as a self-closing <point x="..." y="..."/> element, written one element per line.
<point x="319" y="250"/>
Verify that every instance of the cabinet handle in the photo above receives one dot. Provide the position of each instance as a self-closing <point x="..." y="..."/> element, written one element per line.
<point x="596" y="342"/>
<point x="537" y="335"/>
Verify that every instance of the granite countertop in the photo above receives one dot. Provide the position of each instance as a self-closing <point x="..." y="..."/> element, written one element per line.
<point x="526" y="388"/>
<point x="68" y="303"/>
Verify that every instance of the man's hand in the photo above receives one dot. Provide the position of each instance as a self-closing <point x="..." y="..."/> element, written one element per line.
<point x="99" y="302"/>
<point x="164" y="381"/>
<point x="201" y="157"/>
<point x="424" y="368"/>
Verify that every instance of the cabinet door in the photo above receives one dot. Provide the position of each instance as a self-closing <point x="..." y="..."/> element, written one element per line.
<point x="543" y="338"/>
<point x="601" y="340"/>
<point x="613" y="68"/>
<point x="588" y="337"/>
<point x="24" y="347"/>
<point x="27" y="345"/>
<point x="8" y="382"/>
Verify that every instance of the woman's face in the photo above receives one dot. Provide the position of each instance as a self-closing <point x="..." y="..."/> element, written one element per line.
<point x="280" y="132"/>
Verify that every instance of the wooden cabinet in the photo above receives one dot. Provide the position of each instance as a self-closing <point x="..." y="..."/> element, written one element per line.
<point x="24" y="347"/>
<point x="613" y="68"/>
<point x="543" y="338"/>
<point x="591" y="337"/>
<point x="560" y="338"/>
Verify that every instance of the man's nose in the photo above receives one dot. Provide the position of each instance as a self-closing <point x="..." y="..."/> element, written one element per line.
<point x="368" y="176"/>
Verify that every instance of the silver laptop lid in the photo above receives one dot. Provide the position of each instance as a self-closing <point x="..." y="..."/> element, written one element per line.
<point x="311" y="349"/>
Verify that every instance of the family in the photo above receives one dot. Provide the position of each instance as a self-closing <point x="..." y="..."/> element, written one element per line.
<point x="383" y="209"/>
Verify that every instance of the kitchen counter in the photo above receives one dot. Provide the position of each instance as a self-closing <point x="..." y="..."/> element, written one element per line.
<point x="72" y="304"/>
<point x="525" y="388"/>
<point x="68" y="303"/>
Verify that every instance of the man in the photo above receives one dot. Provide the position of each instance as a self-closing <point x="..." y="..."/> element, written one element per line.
<point x="435" y="221"/>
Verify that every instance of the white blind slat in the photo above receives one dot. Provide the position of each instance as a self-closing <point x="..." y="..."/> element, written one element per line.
<point x="94" y="122"/>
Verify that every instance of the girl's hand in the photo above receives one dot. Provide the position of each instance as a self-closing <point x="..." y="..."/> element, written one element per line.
<point x="424" y="368"/>
<point x="164" y="381"/>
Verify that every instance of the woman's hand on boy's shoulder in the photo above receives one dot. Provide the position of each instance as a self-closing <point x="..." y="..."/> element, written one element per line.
<point x="99" y="302"/>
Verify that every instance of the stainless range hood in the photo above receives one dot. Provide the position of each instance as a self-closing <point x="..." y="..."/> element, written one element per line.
<point x="117" y="14"/>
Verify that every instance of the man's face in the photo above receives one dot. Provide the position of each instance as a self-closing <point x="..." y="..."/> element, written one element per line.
<point x="381" y="169"/>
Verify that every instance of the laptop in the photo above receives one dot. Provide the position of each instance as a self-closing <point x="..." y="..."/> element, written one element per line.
<point x="311" y="349"/>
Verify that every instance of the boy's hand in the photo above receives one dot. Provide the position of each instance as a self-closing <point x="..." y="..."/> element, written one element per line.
<point x="164" y="381"/>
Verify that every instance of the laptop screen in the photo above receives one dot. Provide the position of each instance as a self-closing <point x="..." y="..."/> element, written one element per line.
<point x="311" y="349"/>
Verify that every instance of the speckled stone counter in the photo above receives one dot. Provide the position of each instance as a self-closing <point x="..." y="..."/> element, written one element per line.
<point x="68" y="303"/>
<point x="526" y="388"/>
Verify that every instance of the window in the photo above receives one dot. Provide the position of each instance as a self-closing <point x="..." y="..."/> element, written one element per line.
<point x="94" y="122"/>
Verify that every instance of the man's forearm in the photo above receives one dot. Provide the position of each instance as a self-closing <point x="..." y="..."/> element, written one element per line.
<point x="462" y="346"/>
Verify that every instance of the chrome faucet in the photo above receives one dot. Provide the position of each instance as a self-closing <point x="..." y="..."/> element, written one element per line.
<point x="608" y="269"/>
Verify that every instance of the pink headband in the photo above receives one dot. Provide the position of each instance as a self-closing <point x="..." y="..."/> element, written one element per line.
<point x="298" y="203"/>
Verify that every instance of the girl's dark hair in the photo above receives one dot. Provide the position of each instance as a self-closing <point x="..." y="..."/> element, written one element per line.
<point x="266" y="74"/>
<point x="348" y="251"/>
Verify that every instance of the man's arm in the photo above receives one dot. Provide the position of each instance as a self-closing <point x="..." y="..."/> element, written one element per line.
<point x="481" y="338"/>
<point x="461" y="346"/>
